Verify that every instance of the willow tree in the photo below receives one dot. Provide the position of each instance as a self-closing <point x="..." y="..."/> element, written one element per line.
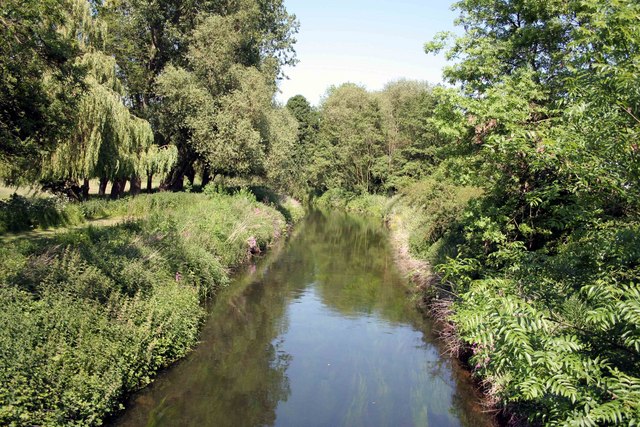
<point x="106" y="141"/>
<point x="158" y="162"/>
<point x="39" y="82"/>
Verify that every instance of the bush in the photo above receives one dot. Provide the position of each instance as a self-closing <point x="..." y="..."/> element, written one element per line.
<point x="20" y="213"/>
<point x="92" y="314"/>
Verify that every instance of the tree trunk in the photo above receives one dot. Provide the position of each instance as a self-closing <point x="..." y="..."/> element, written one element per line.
<point x="117" y="188"/>
<point x="175" y="180"/>
<point x="136" y="185"/>
<point x="102" y="187"/>
<point x="206" y="176"/>
<point x="190" y="174"/>
<point x="123" y="186"/>
<point x="85" y="189"/>
<point x="149" y="183"/>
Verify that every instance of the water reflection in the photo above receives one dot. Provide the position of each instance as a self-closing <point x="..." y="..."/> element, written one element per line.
<point x="320" y="334"/>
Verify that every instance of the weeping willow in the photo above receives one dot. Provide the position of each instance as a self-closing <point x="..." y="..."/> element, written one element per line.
<point x="107" y="141"/>
<point x="81" y="26"/>
<point x="158" y="161"/>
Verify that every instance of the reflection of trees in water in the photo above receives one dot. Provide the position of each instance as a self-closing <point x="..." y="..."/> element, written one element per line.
<point x="238" y="376"/>
<point x="465" y="398"/>
<point x="352" y="261"/>
<point x="356" y="274"/>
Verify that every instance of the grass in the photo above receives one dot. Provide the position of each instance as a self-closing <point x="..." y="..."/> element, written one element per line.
<point x="91" y="313"/>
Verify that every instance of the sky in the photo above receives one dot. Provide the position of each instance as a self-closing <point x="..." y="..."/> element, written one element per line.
<point x="366" y="42"/>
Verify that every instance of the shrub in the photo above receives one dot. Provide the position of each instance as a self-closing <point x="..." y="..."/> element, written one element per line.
<point x="93" y="313"/>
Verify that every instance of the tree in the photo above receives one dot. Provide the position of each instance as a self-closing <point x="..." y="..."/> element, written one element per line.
<point x="207" y="40"/>
<point x="551" y="111"/>
<point x="106" y="141"/>
<point x="351" y="141"/>
<point x="286" y="162"/>
<point x="307" y="118"/>
<point x="38" y="81"/>
<point x="412" y="140"/>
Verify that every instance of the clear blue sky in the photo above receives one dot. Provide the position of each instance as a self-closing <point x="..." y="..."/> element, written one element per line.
<point x="370" y="42"/>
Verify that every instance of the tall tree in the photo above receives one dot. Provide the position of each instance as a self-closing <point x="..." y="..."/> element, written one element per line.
<point x="106" y="141"/>
<point x="351" y="140"/>
<point x="217" y="108"/>
<point x="546" y="275"/>
<point x="205" y="38"/>
<point x="412" y="140"/>
<point x="38" y="81"/>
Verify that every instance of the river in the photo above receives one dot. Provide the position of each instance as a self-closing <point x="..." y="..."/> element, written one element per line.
<point x="320" y="332"/>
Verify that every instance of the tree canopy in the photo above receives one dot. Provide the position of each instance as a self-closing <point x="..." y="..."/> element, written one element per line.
<point x="89" y="87"/>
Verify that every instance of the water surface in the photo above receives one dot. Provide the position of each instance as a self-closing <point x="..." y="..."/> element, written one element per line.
<point x="319" y="333"/>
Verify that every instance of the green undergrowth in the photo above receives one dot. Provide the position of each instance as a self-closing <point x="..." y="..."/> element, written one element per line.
<point x="25" y="213"/>
<point x="552" y="328"/>
<point x="93" y="313"/>
<point x="22" y="213"/>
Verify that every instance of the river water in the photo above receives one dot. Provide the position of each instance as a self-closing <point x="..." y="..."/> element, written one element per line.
<point x="318" y="333"/>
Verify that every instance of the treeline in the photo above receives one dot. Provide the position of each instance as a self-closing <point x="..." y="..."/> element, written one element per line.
<point x="523" y="187"/>
<point x="360" y="141"/>
<point x="129" y="90"/>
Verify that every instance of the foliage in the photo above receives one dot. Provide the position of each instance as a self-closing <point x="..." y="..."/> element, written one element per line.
<point x="376" y="141"/>
<point x="413" y="143"/>
<point x="89" y="86"/>
<point x="19" y="213"/>
<point x="350" y="141"/>
<point x="38" y="79"/>
<point x="158" y="161"/>
<point x="294" y="161"/>
<point x="364" y="204"/>
<point x="545" y="269"/>
<point x="219" y="108"/>
<point x="106" y="140"/>
<point x="92" y="314"/>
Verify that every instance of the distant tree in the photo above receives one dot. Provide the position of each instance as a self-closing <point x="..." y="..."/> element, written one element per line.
<point x="308" y="122"/>
<point x="412" y="140"/>
<point x="287" y="160"/>
<point x="307" y="118"/>
<point x="351" y="141"/>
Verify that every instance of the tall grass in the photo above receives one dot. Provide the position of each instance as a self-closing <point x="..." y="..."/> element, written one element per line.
<point x="93" y="313"/>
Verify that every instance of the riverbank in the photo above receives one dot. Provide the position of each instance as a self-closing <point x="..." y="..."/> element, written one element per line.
<point x="550" y="331"/>
<point x="90" y="314"/>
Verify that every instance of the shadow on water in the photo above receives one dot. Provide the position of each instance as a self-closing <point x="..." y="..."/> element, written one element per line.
<point x="318" y="333"/>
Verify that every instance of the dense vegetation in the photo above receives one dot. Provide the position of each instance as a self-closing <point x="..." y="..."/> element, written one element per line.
<point x="93" y="313"/>
<point x="526" y="199"/>
<point x="121" y="90"/>
<point x="519" y="183"/>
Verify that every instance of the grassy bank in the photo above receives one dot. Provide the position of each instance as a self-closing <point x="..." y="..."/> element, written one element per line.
<point x="550" y="331"/>
<point x="93" y="313"/>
